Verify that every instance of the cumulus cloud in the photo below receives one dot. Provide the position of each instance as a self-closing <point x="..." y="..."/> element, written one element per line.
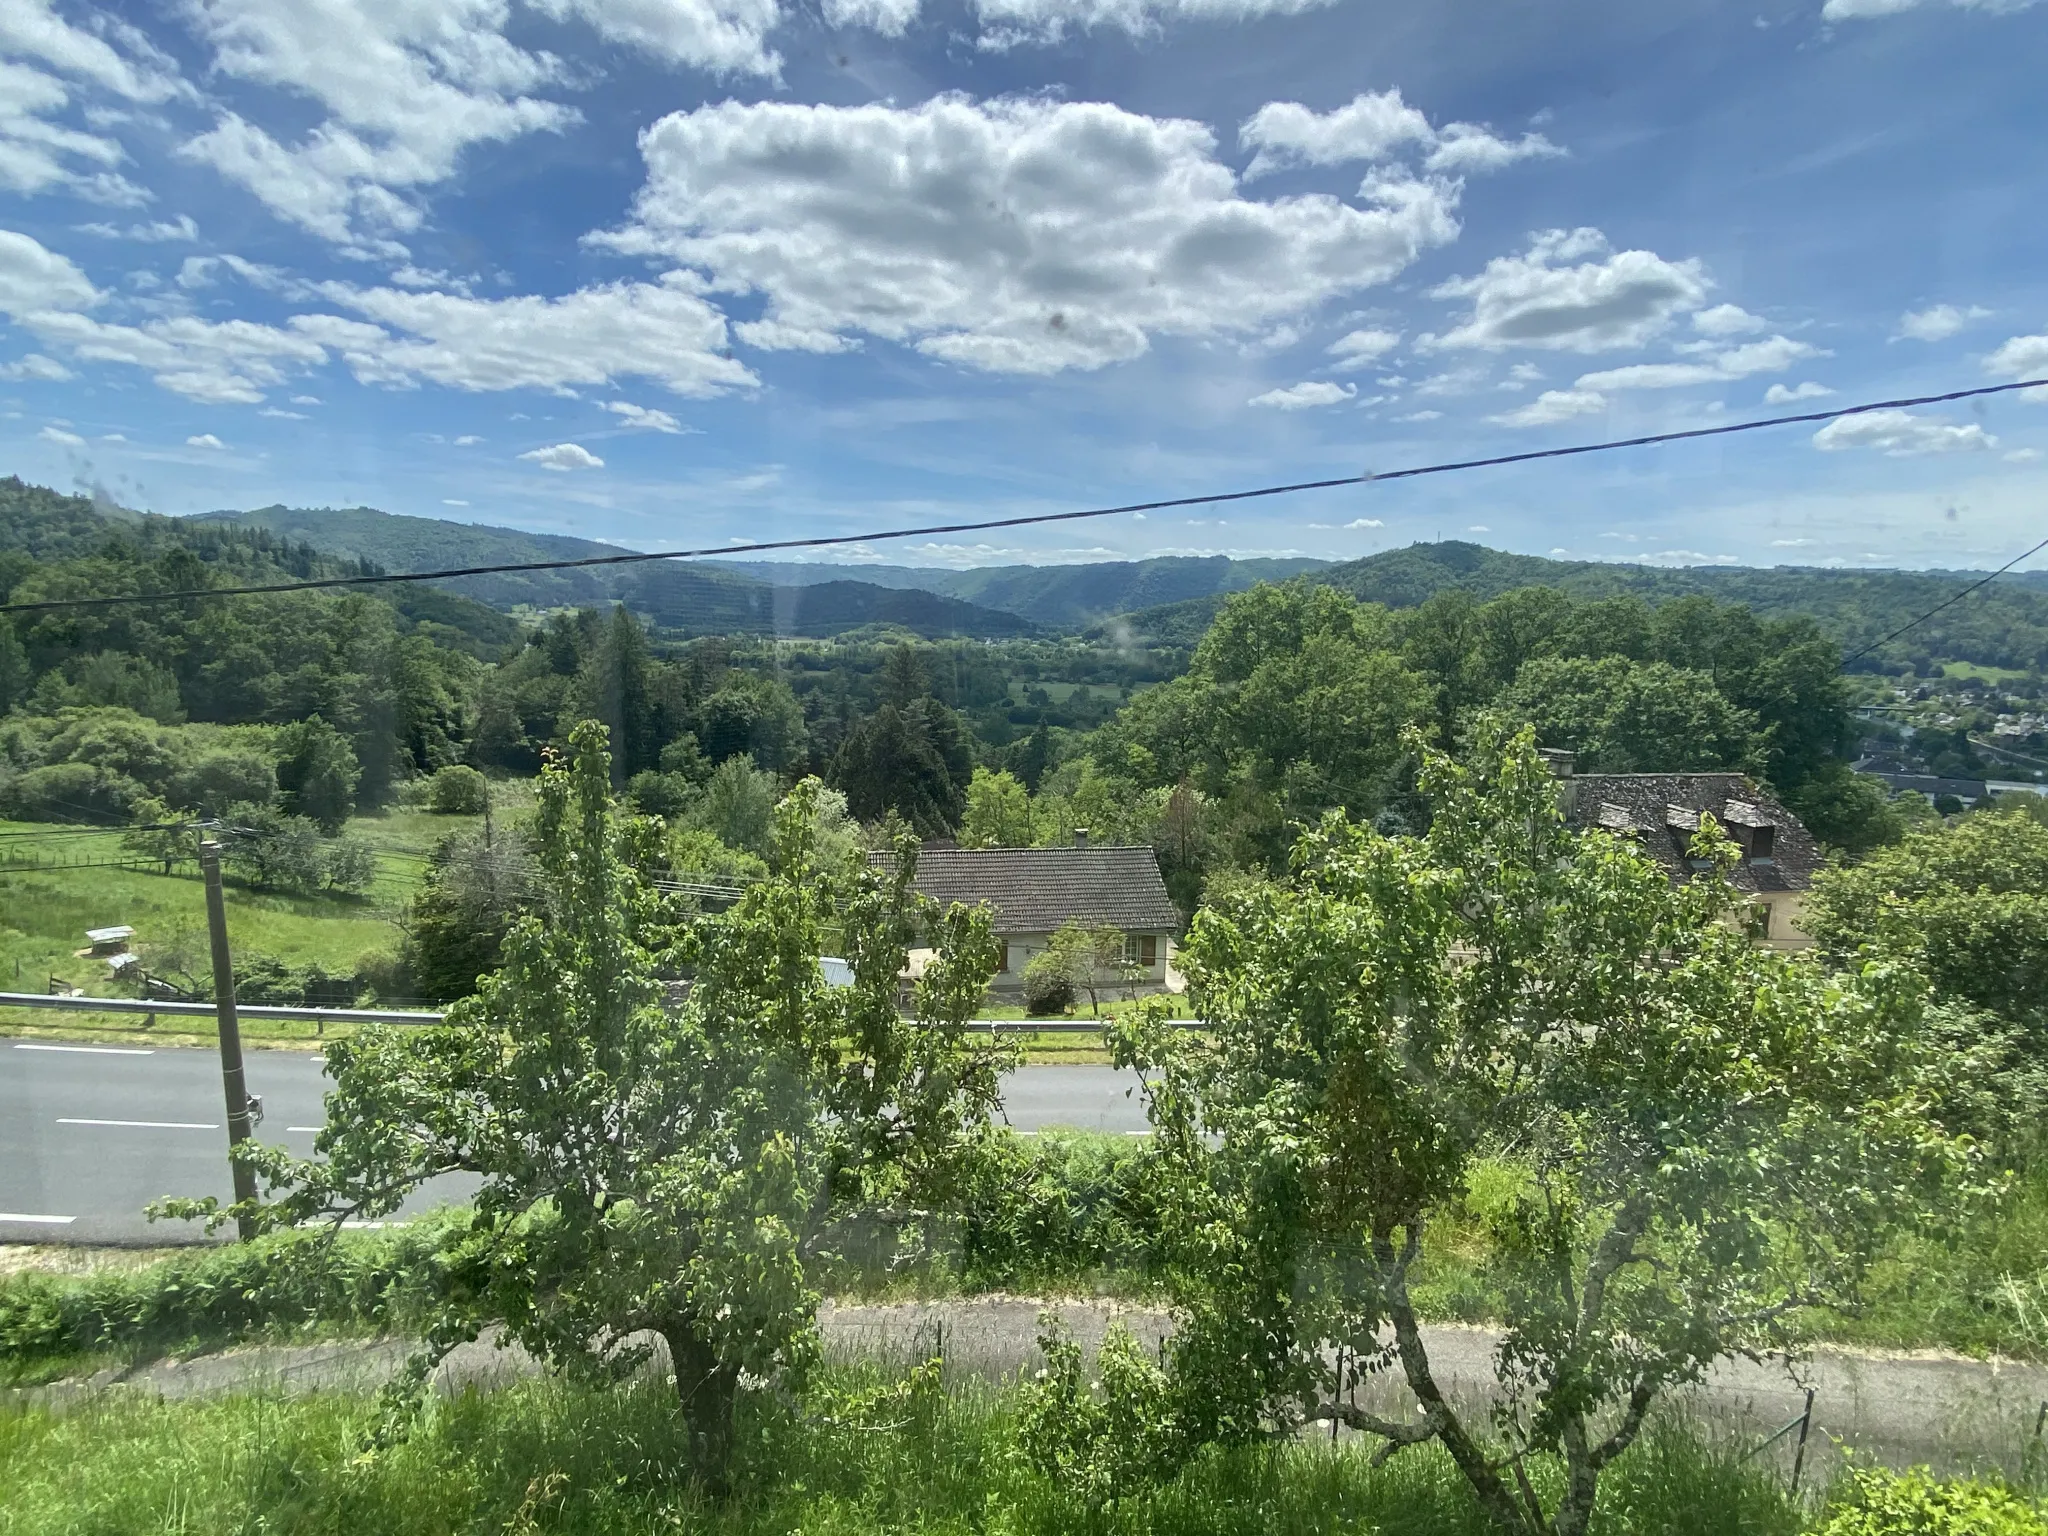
<point x="1864" y="10"/>
<point x="1727" y="320"/>
<point x="35" y="366"/>
<point x="60" y="437"/>
<point x="1301" y="397"/>
<point x="1375" y="126"/>
<point x="2021" y="357"/>
<point x="726" y="37"/>
<point x="229" y="362"/>
<point x="1010" y="22"/>
<point x="641" y="416"/>
<point x="1770" y="356"/>
<point x="1009" y="236"/>
<point x="1937" y="322"/>
<point x="34" y="279"/>
<point x="1570" y="293"/>
<point x="135" y="71"/>
<point x="1778" y="394"/>
<point x="563" y="457"/>
<point x="1552" y="407"/>
<point x="1901" y="434"/>
<point x="1361" y="349"/>
<point x="204" y="440"/>
<point x="1365" y="522"/>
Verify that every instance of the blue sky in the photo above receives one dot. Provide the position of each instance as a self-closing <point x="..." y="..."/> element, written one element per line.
<point x="697" y="271"/>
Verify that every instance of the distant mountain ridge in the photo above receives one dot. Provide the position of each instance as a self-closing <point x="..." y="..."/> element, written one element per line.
<point x="2003" y="625"/>
<point x="686" y="597"/>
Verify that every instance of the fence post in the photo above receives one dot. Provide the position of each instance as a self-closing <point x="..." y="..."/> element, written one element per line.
<point x="1805" y="1424"/>
<point x="233" y="1082"/>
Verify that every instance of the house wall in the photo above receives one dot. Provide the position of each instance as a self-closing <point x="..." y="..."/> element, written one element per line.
<point x="1022" y="946"/>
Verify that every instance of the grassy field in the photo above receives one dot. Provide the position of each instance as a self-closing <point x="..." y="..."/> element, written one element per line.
<point x="862" y="1451"/>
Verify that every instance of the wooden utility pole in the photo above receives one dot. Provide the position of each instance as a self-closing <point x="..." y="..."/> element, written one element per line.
<point x="232" y="1080"/>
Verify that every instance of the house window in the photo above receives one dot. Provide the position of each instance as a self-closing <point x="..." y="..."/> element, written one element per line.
<point x="1141" y="950"/>
<point x="1759" y="924"/>
<point x="1762" y="844"/>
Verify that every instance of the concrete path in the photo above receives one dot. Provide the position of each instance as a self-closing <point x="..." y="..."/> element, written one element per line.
<point x="1904" y="1409"/>
<point x="89" y="1135"/>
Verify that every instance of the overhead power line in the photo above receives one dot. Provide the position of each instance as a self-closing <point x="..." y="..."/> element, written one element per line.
<point x="985" y="525"/>
<point x="1946" y="603"/>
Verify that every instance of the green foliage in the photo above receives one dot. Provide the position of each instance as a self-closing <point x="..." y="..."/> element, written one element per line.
<point x="1688" y="1139"/>
<point x="1871" y="1500"/>
<point x="212" y="1296"/>
<point x="1048" y="985"/>
<point x="1102" y="1440"/>
<point x="1623" y="716"/>
<point x="458" y="791"/>
<point x="912" y="759"/>
<point x="1059" y="1209"/>
<point x="474" y="889"/>
<point x="738" y="806"/>
<point x="1967" y="901"/>
<point x="647" y="1168"/>
<point x="318" y="773"/>
<point x="998" y="813"/>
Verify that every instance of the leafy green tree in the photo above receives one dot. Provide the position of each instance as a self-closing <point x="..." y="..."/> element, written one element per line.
<point x="348" y="865"/>
<point x="1676" y="1143"/>
<point x="274" y="850"/>
<point x="913" y="760"/>
<point x="738" y="806"/>
<point x="317" y="772"/>
<point x="1967" y="901"/>
<point x="158" y="835"/>
<point x="476" y="886"/>
<point x="458" y="791"/>
<point x="215" y="780"/>
<point x="755" y="716"/>
<point x="998" y="814"/>
<point x="1622" y="716"/>
<point x="14" y="668"/>
<point x="673" y="1170"/>
<point x="1091" y="959"/>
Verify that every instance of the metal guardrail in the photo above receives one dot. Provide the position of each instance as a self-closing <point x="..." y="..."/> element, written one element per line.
<point x="208" y="1010"/>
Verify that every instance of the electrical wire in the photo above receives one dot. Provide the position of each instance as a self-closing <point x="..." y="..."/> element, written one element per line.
<point x="985" y="525"/>
<point x="1950" y="602"/>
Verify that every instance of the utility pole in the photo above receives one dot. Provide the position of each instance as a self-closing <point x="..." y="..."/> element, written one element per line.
<point x="232" y="1080"/>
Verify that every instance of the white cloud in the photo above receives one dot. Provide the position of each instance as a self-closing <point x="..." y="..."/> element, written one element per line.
<point x="1479" y="528"/>
<point x="1552" y="407"/>
<point x="1361" y="349"/>
<point x="1773" y="355"/>
<point x="450" y="501"/>
<point x="1778" y="394"/>
<point x="1365" y="522"/>
<point x="229" y="362"/>
<point x="726" y="37"/>
<point x="1010" y="236"/>
<point x="1863" y="10"/>
<point x="1375" y="126"/>
<point x="35" y="366"/>
<point x="1790" y="543"/>
<point x="663" y="331"/>
<point x="1901" y="434"/>
<point x="467" y="440"/>
<point x="888" y="17"/>
<point x="641" y="416"/>
<point x="1938" y="322"/>
<point x="59" y="436"/>
<point x="281" y="415"/>
<point x="204" y="440"/>
<point x="1604" y="301"/>
<point x="156" y="232"/>
<point x="2023" y="456"/>
<point x="136" y="70"/>
<point x="564" y="457"/>
<point x="404" y="85"/>
<point x="38" y="154"/>
<point x="1300" y="397"/>
<point x="2021" y="357"/>
<point x="1421" y="416"/>
<point x="1010" y="22"/>
<point x="305" y="399"/>
<point x="35" y="279"/>
<point x="1726" y="320"/>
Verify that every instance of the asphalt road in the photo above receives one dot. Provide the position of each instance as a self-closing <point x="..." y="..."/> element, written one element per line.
<point x="91" y="1134"/>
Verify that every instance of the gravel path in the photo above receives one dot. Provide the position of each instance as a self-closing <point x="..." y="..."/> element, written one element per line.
<point x="1902" y="1408"/>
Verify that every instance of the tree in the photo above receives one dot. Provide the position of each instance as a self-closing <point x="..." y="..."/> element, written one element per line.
<point x="1967" y="902"/>
<point x="273" y="850"/>
<point x="476" y="886"/>
<point x="913" y="760"/>
<point x="678" y="1170"/>
<point x="1622" y="716"/>
<point x="738" y="806"/>
<point x="1675" y="1142"/>
<point x="317" y="772"/>
<point x="998" y="812"/>
<point x="458" y="791"/>
<point x="348" y="865"/>
<point x="1091" y="959"/>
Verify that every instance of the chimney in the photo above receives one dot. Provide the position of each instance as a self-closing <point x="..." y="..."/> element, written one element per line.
<point x="1080" y="837"/>
<point x="1562" y="764"/>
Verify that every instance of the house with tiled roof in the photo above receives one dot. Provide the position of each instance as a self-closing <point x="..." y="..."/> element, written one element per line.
<point x="1031" y="893"/>
<point x="1660" y="812"/>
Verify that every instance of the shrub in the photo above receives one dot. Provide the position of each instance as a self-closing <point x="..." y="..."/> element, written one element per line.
<point x="458" y="791"/>
<point x="1048" y="986"/>
<point x="1875" y="1501"/>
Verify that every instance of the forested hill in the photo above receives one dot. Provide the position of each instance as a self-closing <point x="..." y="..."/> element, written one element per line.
<point x="2004" y="625"/>
<point x="1057" y="596"/>
<point x="683" y="597"/>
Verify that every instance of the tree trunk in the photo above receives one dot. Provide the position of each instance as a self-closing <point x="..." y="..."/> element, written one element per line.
<point x="707" y="1388"/>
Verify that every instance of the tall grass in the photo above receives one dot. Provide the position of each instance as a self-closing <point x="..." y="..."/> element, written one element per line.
<point x="855" y="1455"/>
